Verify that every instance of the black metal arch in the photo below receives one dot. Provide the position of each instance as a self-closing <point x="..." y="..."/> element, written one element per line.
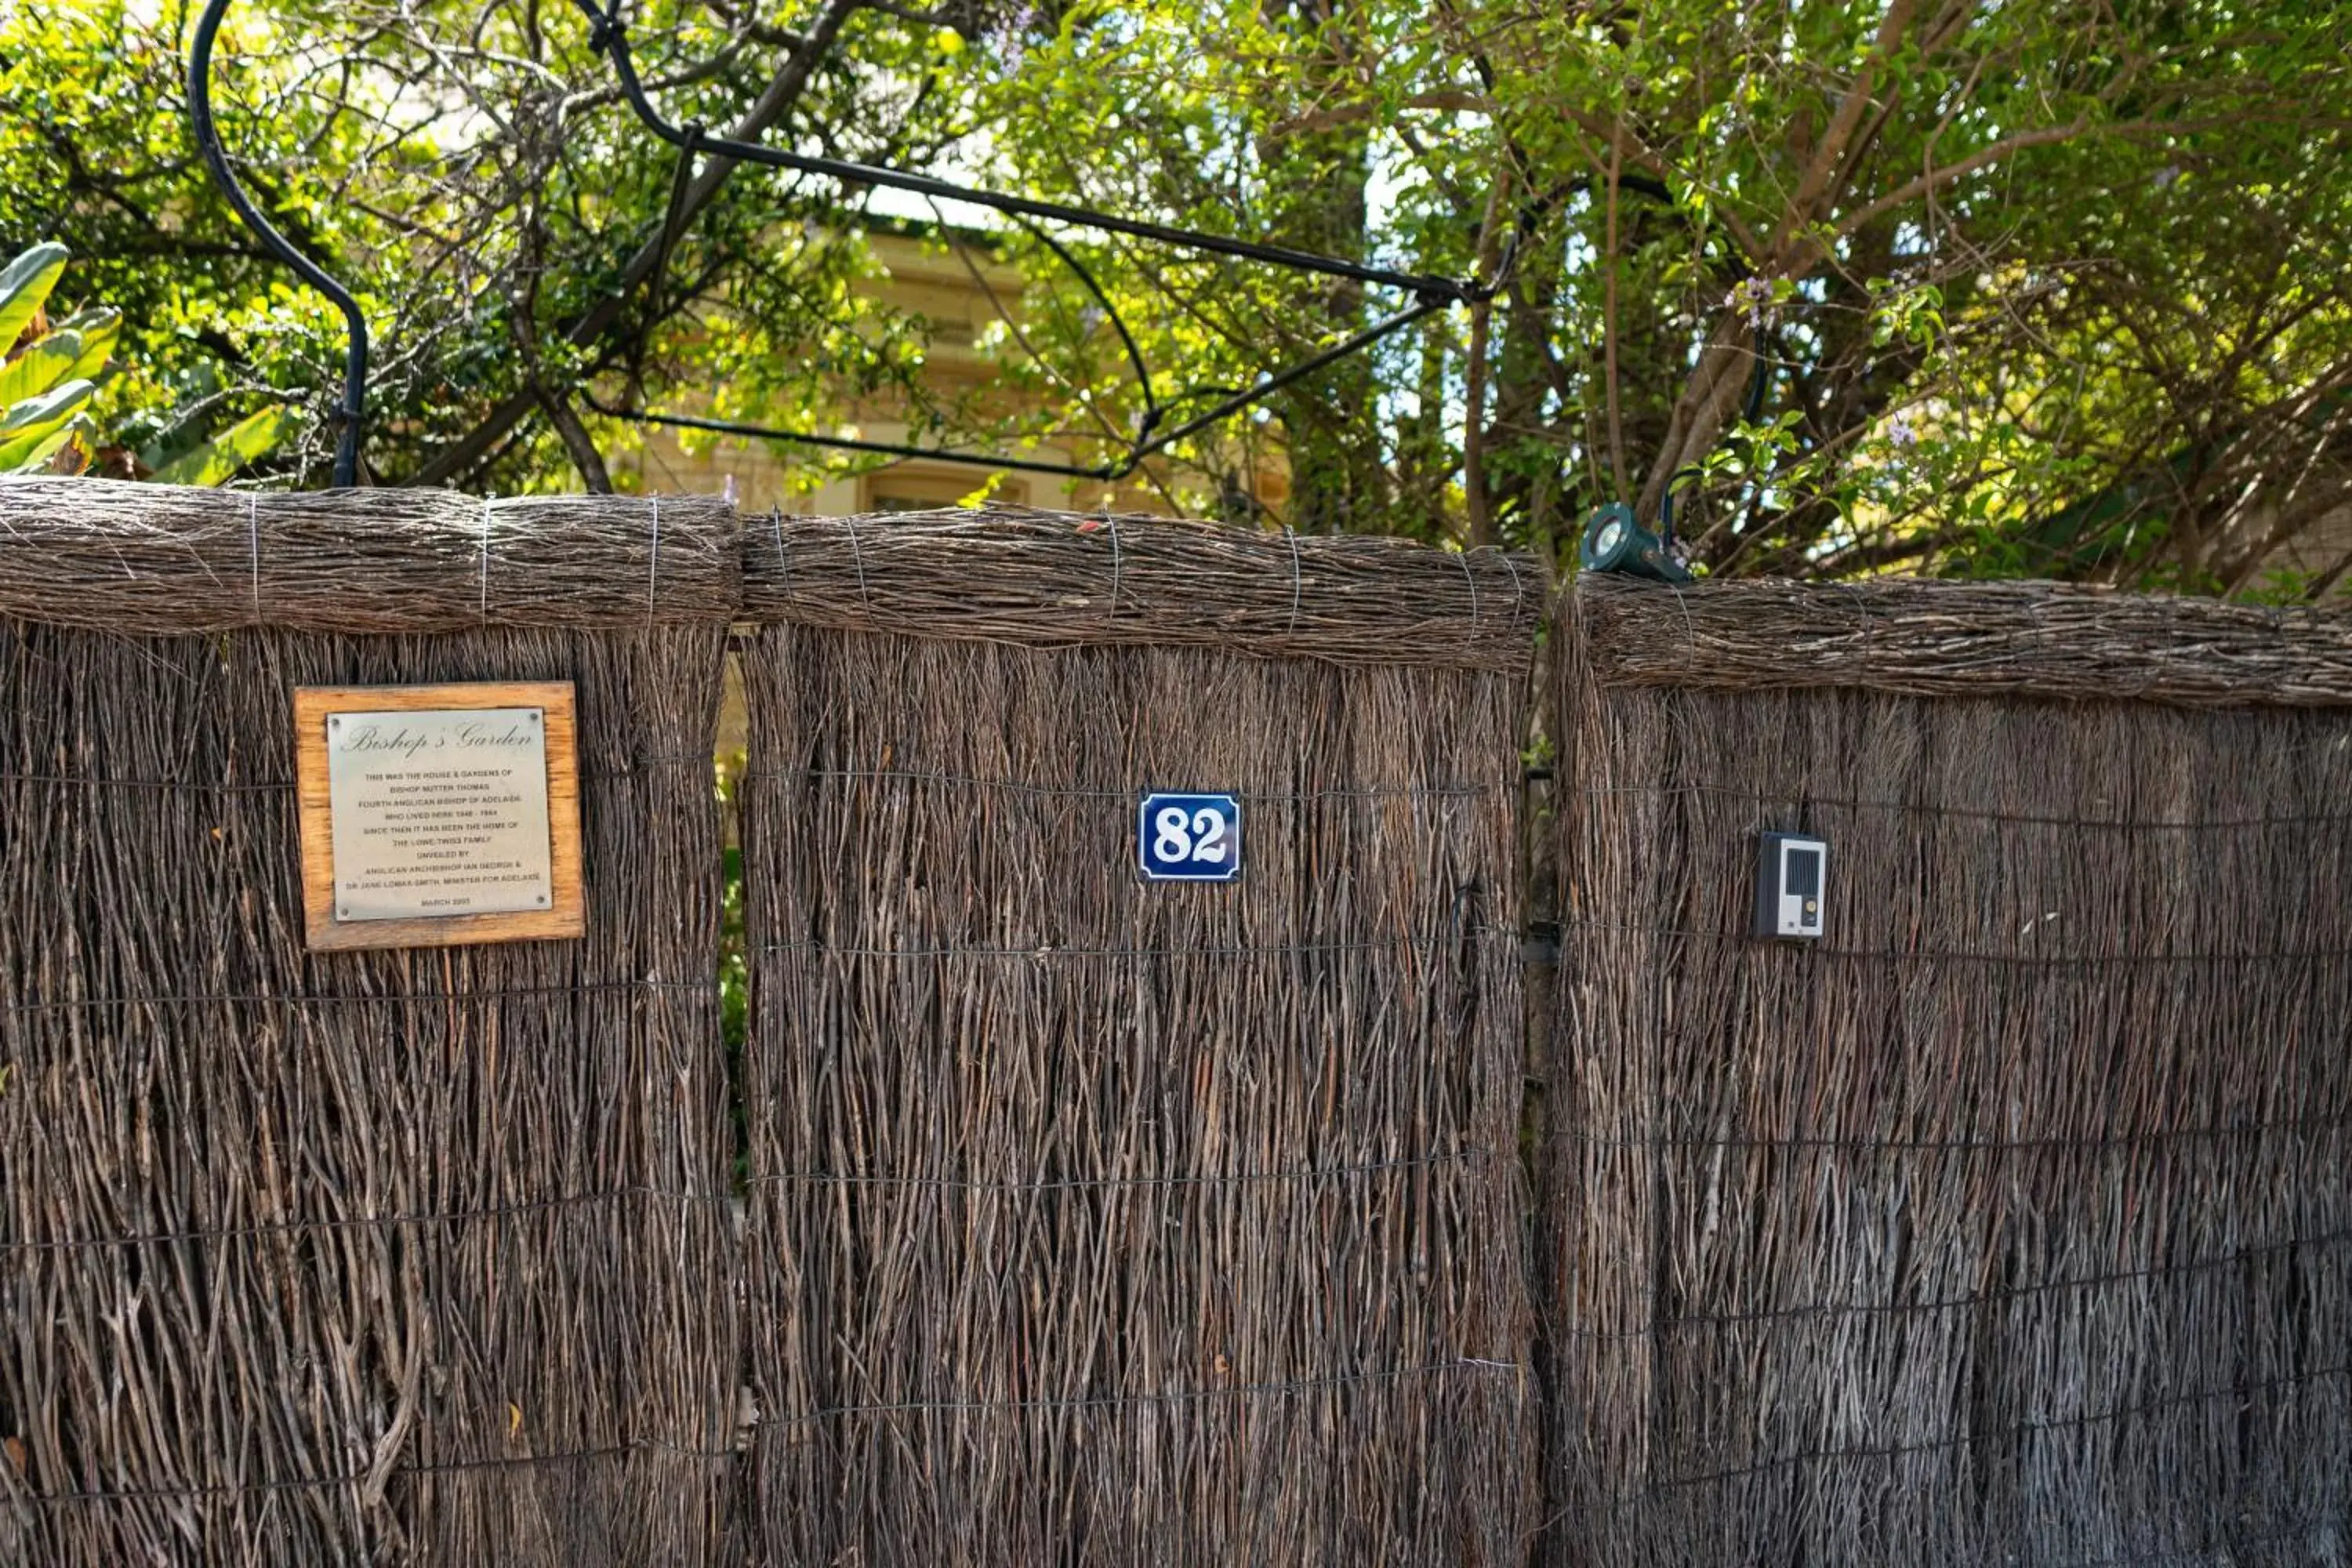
<point x="1153" y="433"/>
<point x="609" y="38"/>
<point x="208" y="143"/>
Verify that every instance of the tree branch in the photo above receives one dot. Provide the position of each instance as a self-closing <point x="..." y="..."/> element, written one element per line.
<point x="1609" y="326"/>
<point x="1621" y="140"/>
<point x="774" y="104"/>
<point x="1480" y="519"/>
<point x="577" y="442"/>
<point x="1814" y="188"/>
<point x="1456" y="100"/>
<point x="1992" y="153"/>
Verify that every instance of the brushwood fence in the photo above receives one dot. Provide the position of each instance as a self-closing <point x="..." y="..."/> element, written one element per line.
<point x="1096" y="1221"/>
<point x="2011" y="1222"/>
<point x="1047" y="1215"/>
<point x="411" y="1255"/>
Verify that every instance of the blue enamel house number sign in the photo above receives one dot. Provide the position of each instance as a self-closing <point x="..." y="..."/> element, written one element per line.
<point x="1189" y="838"/>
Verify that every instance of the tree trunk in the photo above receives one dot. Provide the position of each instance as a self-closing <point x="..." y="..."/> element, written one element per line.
<point x="1338" y="481"/>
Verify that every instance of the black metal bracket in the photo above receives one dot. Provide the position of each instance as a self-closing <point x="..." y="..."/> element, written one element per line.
<point x="208" y="143"/>
<point x="608" y="36"/>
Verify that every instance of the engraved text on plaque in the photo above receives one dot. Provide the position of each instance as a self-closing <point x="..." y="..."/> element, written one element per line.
<point x="439" y="813"/>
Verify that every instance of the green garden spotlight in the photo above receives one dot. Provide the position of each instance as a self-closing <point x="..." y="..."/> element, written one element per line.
<point x="1613" y="542"/>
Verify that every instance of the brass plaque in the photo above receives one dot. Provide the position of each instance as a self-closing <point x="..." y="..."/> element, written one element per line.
<point x="438" y="815"/>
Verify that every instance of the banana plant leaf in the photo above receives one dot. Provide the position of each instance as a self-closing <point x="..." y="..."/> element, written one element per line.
<point x="25" y="288"/>
<point x="219" y="459"/>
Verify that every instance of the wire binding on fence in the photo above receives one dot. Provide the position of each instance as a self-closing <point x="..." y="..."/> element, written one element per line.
<point x="1697" y="1321"/>
<point x="1436" y="945"/>
<point x="654" y="1446"/>
<point x="157" y="560"/>
<point x="2007" y="640"/>
<point x="1764" y="798"/>
<point x="949" y="779"/>
<point x="1309" y="1174"/>
<point x="703" y="988"/>
<point x="1963" y="955"/>
<point x="263" y="1229"/>
<point x="1013" y="574"/>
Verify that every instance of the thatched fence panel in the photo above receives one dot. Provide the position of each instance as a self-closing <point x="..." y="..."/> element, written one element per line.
<point x="1093" y="1221"/>
<point x="2013" y="1221"/>
<point x="1078" y="1219"/>
<point x="410" y="1256"/>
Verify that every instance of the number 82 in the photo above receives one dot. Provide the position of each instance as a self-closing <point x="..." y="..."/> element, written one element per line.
<point x="1197" y="836"/>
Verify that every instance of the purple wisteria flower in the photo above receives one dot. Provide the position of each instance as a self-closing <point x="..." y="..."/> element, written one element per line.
<point x="1009" y="37"/>
<point x="1752" y="297"/>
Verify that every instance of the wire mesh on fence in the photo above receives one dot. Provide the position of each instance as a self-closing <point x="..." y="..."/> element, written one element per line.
<point x="2005" y="1224"/>
<point x="1095" y="1221"/>
<point x="354" y="1257"/>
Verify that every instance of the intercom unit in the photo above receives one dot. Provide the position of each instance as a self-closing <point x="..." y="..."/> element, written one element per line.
<point x="1791" y="885"/>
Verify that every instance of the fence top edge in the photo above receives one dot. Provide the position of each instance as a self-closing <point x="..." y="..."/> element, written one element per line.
<point x="1913" y="637"/>
<point x="161" y="560"/>
<point x="1055" y="579"/>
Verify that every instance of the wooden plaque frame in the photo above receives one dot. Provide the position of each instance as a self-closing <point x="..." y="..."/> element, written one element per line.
<point x="566" y="914"/>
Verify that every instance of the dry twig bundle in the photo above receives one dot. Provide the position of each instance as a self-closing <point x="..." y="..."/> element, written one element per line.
<point x="364" y="1256"/>
<point x="2012" y="1222"/>
<point x="167" y="558"/>
<point x="1094" y="1221"/>
<point x="1057" y="579"/>
<point x="1955" y="639"/>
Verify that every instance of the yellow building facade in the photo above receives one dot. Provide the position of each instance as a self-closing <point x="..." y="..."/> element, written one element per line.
<point x="962" y="291"/>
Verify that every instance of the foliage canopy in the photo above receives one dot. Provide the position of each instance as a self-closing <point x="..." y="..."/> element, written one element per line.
<point x="1979" y="287"/>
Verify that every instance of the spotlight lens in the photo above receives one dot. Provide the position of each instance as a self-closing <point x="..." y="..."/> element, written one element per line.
<point x="1611" y="533"/>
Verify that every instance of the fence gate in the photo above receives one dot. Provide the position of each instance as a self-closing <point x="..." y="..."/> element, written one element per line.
<point x="1105" y="1180"/>
<point x="1101" y="1219"/>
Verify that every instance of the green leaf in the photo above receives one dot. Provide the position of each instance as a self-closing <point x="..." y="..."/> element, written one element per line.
<point x="44" y="411"/>
<point x="43" y="365"/>
<point x="25" y="288"/>
<point x="79" y="433"/>
<point x="98" y="330"/>
<point x="220" y="459"/>
<point x="29" y="422"/>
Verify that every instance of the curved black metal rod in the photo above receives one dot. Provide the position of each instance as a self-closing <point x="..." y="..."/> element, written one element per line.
<point x="1151" y="409"/>
<point x="607" y="37"/>
<point x="1109" y="473"/>
<point x="1104" y="471"/>
<point x="355" y="358"/>
<point x="1268" y="385"/>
